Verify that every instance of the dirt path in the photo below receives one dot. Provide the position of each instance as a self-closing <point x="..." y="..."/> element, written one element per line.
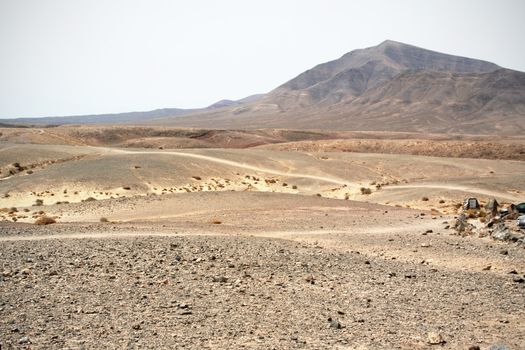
<point x="236" y="164"/>
<point x="458" y="188"/>
<point x="283" y="234"/>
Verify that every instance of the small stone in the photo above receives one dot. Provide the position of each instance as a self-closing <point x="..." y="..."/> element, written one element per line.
<point x="425" y="245"/>
<point x="518" y="279"/>
<point x="474" y="347"/>
<point x="486" y="268"/>
<point x="24" y="340"/>
<point x="335" y="324"/>
<point x="435" y="338"/>
<point x="504" y="252"/>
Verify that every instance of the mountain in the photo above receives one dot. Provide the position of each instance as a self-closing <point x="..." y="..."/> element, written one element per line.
<point x="389" y="87"/>
<point x="230" y="103"/>
<point x="360" y="70"/>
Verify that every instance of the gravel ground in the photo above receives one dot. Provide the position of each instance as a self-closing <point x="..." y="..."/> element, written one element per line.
<point x="234" y="292"/>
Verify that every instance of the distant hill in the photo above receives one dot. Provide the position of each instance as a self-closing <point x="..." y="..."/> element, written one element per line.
<point x="389" y="87"/>
<point x="126" y="118"/>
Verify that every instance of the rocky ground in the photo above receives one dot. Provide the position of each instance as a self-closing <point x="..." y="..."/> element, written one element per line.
<point x="255" y="249"/>
<point x="105" y="287"/>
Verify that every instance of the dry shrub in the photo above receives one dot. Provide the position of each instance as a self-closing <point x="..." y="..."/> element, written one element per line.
<point x="365" y="190"/>
<point x="294" y="187"/>
<point x="39" y="202"/>
<point x="45" y="220"/>
<point x="441" y="201"/>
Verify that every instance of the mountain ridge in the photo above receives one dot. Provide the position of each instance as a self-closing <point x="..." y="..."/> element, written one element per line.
<point x="361" y="91"/>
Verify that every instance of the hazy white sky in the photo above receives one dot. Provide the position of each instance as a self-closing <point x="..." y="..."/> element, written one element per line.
<point x="68" y="57"/>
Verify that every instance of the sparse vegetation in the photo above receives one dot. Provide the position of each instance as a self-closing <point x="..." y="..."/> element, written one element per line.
<point x="365" y="190"/>
<point x="45" y="220"/>
<point x="39" y="202"/>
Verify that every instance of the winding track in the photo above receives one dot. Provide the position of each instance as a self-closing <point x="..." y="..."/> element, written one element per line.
<point x="468" y="189"/>
<point x="333" y="180"/>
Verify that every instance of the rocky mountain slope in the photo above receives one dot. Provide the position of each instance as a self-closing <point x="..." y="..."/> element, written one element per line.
<point x="390" y="87"/>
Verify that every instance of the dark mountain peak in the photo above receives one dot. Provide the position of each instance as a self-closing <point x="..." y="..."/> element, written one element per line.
<point x="390" y="43"/>
<point x="362" y="69"/>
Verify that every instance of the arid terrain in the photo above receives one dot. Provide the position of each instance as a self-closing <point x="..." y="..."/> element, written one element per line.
<point x="263" y="239"/>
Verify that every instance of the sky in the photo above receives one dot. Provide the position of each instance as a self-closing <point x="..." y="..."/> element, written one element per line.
<point x="75" y="57"/>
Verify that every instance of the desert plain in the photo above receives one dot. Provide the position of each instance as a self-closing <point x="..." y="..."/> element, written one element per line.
<point x="176" y="238"/>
